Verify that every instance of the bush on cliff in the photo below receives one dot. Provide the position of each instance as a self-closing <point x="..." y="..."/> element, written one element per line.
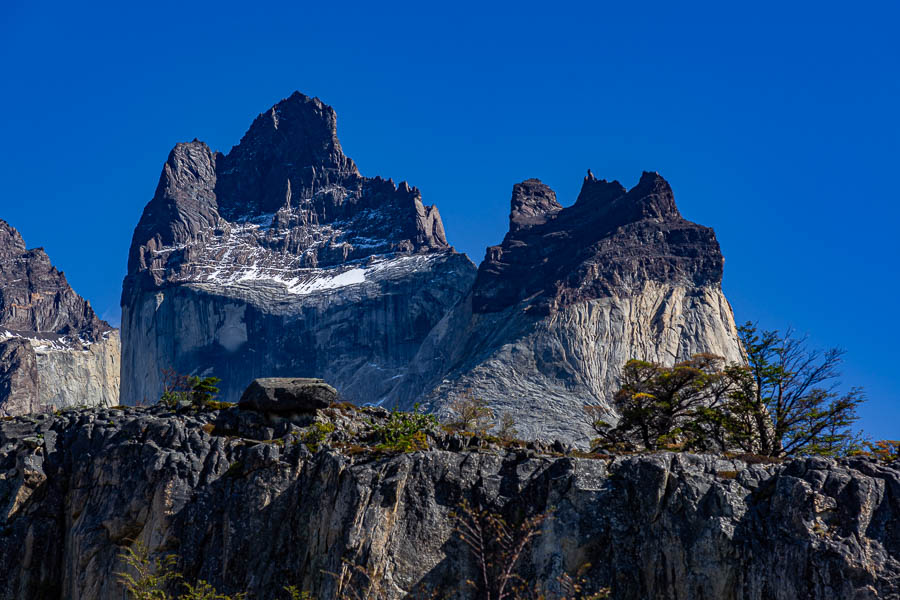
<point x="152" y="579"/>
<point x="678" y="407"/>
<point x="406" y="431"/>
<point x="470" y="415"/>
<point x="886" y="451"/>
<point x="181" y="390"/>
<point x="788" y="399"/>
<point x="785" y="401"/>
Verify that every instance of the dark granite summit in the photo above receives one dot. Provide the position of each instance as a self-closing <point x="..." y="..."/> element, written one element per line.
<point x="610" y="240"/>
<point x="54" y="350"/>
<point x="290" y="175"/>
<point x="278" y="258"/>
<point x="36" y="299"/>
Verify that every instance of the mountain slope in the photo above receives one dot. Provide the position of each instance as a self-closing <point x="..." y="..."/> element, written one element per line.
<point x="54" y="351"/>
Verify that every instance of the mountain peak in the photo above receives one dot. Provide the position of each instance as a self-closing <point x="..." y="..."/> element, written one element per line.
<point x="35" y="296"/>
<point x="611" y="240"/>
<point x="285" y="199"/>
<point x="11" y="242"/>
<point x="296" y="140"/>
<point x="597" y="192"/>
<point x="532" y="204"/>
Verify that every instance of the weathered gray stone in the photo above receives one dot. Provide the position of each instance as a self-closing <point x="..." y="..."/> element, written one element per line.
<point x="288" y="395"/>
<point x="19" y="382"/>
<point x="249" y="513"/>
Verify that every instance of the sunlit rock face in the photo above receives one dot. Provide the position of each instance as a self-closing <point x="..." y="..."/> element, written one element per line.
<point x="54" y="350"/>
<point x="280" y="259"/>
<point x="568" y="297"/>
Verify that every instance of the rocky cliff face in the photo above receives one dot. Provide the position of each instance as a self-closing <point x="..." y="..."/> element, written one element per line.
<point x="569" y="297"/>
<point x="244" y="503"/>
<point x="54" y="351"/>
<point x="279" y="258"/>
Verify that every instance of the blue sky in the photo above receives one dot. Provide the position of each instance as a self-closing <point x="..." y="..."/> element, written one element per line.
<point x="776" y="125"/>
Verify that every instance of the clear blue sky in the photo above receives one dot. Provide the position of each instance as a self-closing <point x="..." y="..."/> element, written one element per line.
<point x="775" y="122"/>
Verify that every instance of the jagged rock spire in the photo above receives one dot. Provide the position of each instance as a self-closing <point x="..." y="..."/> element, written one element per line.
<point x="611" y="238"/>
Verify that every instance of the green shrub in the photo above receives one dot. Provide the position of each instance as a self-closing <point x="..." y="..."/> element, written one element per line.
<point x="406" y="431"/>
<point x="296" y="594"/>
<point x="203" y="390"/>
<point x="189" y="389"/>
<point x="148" y="579"/>
<point x="204" y="591"/>
<point x="316" y="434"/>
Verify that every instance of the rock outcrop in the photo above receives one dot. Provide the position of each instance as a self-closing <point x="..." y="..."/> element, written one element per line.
<point x="243" y="503"/>
<point x="286" y="395"/>
<point x="568" y="298"/>
<point x="54" y="351"/>
<point x="279" y="258"/>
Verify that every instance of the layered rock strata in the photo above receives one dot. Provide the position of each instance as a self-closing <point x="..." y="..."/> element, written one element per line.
<point x="279" y="258"/>
<point x="54" y="350"/>
<point x="245" y="504"/>
<point x="568" y="297"/>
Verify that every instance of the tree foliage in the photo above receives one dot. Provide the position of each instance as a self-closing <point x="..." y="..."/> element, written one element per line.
<point x="886" y="451"/>
<point x="406" y="431"/>
<point x="792" y="396"/>
<point x="669" y="407"/>
<point x="181" y="389"/>
<point x="785" y="401"/>
<point x="471" y="414"/>
<point x="146" y="578"/>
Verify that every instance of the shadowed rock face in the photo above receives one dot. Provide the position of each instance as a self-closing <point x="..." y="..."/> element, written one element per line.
<point x="568" y="297"/>
<point x="36" y="298"/>
<point x="610" y="241"/>
<point x="253" y="516"/>
<point x="280" y="259"/>
<point x="56" y="352"/>
<point x="19" y="381"/>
